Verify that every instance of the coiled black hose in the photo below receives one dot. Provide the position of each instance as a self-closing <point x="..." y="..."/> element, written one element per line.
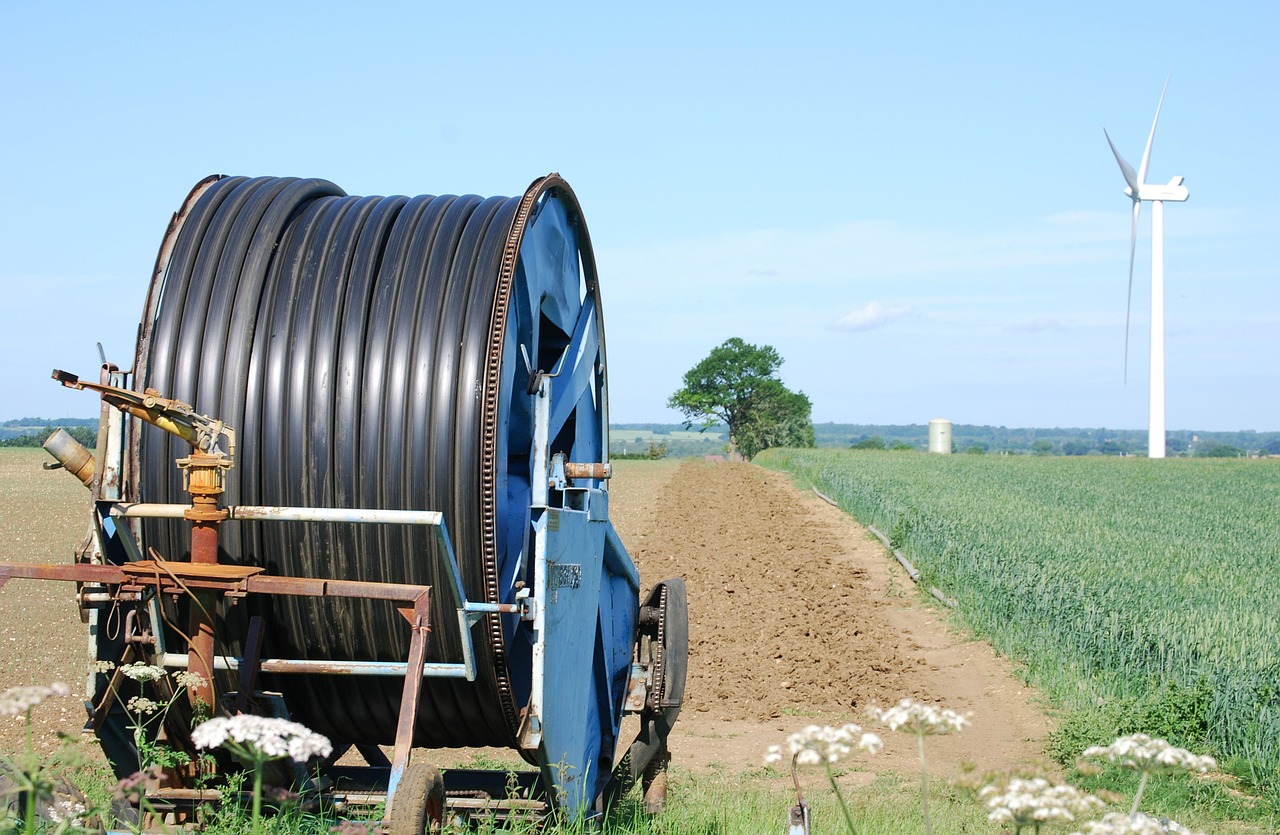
<point x="357" y="345"/>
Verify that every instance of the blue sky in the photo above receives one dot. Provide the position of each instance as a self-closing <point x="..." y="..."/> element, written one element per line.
<point x="913" y="203"/>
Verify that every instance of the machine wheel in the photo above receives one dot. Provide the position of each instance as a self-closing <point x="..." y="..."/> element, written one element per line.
<point x="419" y="802"/>
<point x="662" y="643"/>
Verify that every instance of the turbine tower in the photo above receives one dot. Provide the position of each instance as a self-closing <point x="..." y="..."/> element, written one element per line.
<point x="1138" y="190"/>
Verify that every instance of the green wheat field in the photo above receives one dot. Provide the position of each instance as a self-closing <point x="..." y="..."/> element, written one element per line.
<point x="1134" y="591"/>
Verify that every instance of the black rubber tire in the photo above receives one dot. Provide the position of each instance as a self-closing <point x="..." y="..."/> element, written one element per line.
<point x="419" y="803"/>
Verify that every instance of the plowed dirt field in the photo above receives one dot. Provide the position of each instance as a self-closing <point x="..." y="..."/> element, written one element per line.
<point x="796" y="616"/>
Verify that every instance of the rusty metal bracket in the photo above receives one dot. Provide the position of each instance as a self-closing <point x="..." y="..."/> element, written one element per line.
<point x="421" y="625"/>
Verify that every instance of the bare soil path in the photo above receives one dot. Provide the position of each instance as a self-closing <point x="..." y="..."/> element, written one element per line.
<point x="797" y="616"/>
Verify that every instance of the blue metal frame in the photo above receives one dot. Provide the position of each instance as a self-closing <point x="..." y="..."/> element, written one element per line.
<point x="571" y="664"/>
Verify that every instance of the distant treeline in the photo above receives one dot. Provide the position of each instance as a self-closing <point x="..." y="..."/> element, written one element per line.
<point x="635" y="438"/>
<point x="1057" y="441"/>
<point x="32" y="432"/>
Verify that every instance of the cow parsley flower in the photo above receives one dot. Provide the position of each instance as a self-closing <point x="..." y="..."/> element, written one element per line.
<point x="825" y="746"/>
<point x="1025" y="803"/>
<point x="272" y="738"/>
<point x="1139" y="752"/>
<point x="104" y="666"/>
<point x="1117" y="823"/>
<point x="259" y="739"/>
<point x="190" y="680"/>
<point x="16" y="701"/>
<point x="1147" y="756"/>
<point x="815" y="744"/>
<point x="910" y="716"/>
<point x="141" y="705"/>
<point x="68" y="811"/>
<point x="139" y="671"/>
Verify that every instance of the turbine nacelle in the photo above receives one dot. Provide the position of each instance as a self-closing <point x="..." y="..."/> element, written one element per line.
<point x="1174" y="191"/>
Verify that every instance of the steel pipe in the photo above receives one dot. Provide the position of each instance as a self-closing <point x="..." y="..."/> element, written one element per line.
<point x="178" y="661"/>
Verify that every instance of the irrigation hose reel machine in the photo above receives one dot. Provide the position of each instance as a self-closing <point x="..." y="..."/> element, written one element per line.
<point x="388" y="518"/>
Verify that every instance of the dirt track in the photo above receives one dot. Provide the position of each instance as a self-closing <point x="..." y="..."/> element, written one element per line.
<point x="796" y="615"/>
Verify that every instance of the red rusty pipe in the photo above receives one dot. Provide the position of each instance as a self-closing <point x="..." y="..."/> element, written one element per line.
<point x="203" y="477"/>
<point x="204" y="549"/>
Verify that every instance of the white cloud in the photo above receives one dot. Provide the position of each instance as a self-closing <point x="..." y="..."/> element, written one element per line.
<point x="872" y="315"/>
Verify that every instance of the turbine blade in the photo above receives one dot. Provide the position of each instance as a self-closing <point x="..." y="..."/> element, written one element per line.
<point x="1128" y="299"/>
<point x="1125" y="168"/>
<point x="1146" y="155"/>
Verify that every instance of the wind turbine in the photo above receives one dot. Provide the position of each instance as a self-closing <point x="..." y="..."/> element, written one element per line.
<point x="1138" y="189"/>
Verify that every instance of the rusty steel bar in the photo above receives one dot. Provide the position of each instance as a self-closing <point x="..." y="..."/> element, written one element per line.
<point x="162" y="578"/>
<point x="76" y="572"/>
<point x="234" y="581"/>
<point x="409" y="697"/>
<point x="596" y="471"/>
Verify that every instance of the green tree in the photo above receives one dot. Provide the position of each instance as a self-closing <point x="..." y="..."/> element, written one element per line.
<point x="781" y="419"/>
<point x="737" y="384"/>
<point x="1217" y="450"/>
<point x="1042" y="447"/>
<point x="1076" y="448"/>
<point x="874" y="442"/>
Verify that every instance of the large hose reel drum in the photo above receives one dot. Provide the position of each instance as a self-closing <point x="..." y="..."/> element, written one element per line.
<point x="383" y="352"/>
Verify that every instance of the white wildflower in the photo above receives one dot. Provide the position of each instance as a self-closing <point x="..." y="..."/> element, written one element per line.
<point x="65" y="810"/>
<point x="1140" y="752"/>
<point x="1034" y="802"/>
<point x="143" y="672"/>
<point x="104" y="666"/>
<point x="263" y="736"/>
<point x="1117" y="823"/>
<point x="815" y="744"/>
<point x="910" y="716"/>
<point x="142" y="705"/>
<point x="16" y="701"/>
<point x="190" y="680"/>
